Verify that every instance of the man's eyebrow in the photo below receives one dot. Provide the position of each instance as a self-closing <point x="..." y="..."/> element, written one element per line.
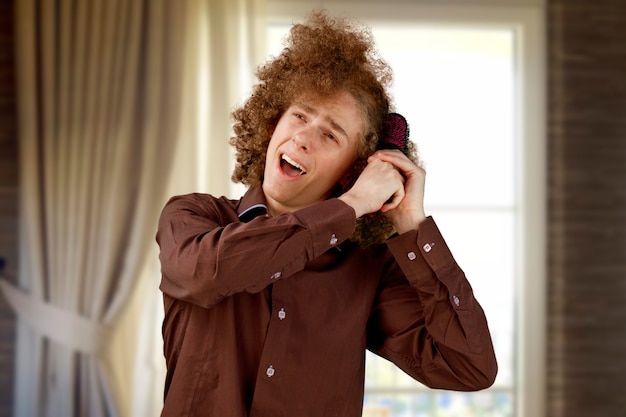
<point x="338" y="128"/>
<point x="329" y="119"/>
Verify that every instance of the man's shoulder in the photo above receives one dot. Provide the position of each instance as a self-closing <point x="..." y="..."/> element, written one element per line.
<point x="202" y="204"/>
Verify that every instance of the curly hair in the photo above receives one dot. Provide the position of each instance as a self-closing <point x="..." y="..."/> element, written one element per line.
<point x="322" y="57"/>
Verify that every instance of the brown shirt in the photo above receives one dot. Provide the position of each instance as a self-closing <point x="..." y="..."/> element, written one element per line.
<point x="270" y="316"/>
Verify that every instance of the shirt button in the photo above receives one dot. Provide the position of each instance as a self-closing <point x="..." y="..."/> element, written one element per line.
<point x="282" y="314"/>
<point x="456" y="300"/>
<point x="270" y="371"/>
<point x="333" y="239"/>
<point x="427" y="247"/>
<point x="411" y="256"/>
<point x="276" y="275"/>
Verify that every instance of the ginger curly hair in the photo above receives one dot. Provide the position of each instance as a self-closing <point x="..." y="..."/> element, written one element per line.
<point x="321" y="57"/>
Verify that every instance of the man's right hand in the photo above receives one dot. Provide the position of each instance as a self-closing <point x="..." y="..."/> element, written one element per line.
<point x="379" y="187"/>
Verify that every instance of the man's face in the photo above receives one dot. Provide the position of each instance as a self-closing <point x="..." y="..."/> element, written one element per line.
<point x="311" y="150"/>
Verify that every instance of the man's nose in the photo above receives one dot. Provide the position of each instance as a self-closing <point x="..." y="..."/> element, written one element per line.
<point x="305" y="137"/>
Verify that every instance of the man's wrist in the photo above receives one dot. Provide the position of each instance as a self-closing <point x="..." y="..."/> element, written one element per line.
<point x="352" y="202"/>
<point x="409" y="224"/>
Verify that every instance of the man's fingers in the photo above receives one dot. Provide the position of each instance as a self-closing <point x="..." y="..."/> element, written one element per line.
<point x="400" y="161"/>
<point x="395" y="200"/>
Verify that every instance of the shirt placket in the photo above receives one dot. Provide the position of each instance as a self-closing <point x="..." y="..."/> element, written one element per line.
<point x="273" y="366"/>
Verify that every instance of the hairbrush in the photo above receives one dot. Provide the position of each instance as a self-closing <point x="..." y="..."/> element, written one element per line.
<point x="395" y="133"/>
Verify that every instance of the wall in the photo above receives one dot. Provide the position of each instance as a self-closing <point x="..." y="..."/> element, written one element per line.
<point x="8" y="200"/>
<point x="587" y="208"/>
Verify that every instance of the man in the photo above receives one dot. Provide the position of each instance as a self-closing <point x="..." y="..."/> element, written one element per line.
<point x="271" y="300"/>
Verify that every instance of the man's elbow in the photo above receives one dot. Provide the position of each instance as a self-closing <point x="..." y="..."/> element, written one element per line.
<point x="468" y="376"/>
<point x="482" y="378"/>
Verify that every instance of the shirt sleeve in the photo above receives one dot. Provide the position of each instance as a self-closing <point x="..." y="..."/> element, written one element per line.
<point x="206" y="257"/>
<point x="432" y="326"/>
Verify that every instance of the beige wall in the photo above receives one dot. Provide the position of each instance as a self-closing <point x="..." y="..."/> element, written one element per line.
<point x="587" y="208"/>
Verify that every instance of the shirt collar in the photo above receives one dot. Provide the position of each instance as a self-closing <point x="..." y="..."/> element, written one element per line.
<point x="252" y="204"/>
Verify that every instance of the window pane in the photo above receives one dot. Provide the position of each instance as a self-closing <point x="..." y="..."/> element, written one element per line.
<point x="455" y="86"/>
<point x="440" y="404"/>
<point x="483" y="243"/>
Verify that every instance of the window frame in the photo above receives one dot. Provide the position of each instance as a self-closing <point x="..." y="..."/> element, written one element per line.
<point x="526" y="18"/>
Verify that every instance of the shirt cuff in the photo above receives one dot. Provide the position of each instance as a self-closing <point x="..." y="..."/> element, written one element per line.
<point x="421" y="252"/>
<point x="331" y="222"/>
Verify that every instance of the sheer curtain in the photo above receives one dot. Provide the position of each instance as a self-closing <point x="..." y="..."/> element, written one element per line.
<point x="99" y="91"/>
<point x="112" y="95"/>
<point x="232" y="40"/>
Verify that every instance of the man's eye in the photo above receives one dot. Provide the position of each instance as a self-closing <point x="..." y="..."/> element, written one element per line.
<point x="331" y="137"/>
<point x="299" y="116"/>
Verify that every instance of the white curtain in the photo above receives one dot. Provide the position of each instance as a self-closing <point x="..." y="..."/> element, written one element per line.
<point x="99" y="93"/>
<point x="232" y="41"/>
<point x="112" y="94"/>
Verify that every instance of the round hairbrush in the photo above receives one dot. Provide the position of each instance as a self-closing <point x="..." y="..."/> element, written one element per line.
<point x="395" y="133"/>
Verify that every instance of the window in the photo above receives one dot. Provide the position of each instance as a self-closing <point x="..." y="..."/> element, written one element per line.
<point x="469" y="81"/>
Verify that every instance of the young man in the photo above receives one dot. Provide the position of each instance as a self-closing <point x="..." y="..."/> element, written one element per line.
<point x="272" y="300"/>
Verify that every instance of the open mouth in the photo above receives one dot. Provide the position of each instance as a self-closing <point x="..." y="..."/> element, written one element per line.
<point x="291" y="167"/>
